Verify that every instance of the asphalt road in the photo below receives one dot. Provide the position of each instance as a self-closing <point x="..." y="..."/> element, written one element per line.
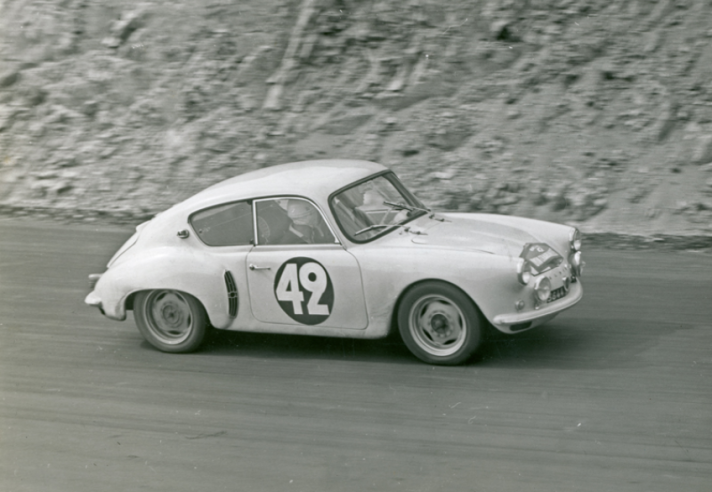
<point x="613" y="395"/>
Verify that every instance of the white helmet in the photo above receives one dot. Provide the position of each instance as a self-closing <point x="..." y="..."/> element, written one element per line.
<point x="301" y="212"/>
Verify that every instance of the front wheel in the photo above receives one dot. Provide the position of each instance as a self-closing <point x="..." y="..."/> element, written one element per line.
<point x="169" y="320"/>
<point x="439" y="324"/>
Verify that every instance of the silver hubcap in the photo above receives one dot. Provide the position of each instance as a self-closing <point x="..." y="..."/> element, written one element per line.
<point x="437" y="325"/>
<point x="169" y="316"/>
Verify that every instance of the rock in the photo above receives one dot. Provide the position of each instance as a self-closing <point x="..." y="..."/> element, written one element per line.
<point x="703" y="205"/>
<point x="90" y="108"/>
<point x="702" y="153"/>
<point x="680" y="207"/>
<point x="67" y="161"/>
<point x="49" y="174"/>
<point x="652" y="213"/>
<point x="600" y="203"/>
<point x="34" y="96"/>
<point x="507" y="199"/>
<point x="666" y="122"/>
<point x="513" y="114"/>
<point x="6" y="118"/>
<point x="9" y="78"/>
<point x="251" y="64"/>
<point x="123" y="28"/>
<point x="538" y="195"/>
<point x="557" y="197"/>
<point x="443" y="175"/>
<point x="39" y="188"/>
<point x="347" y="123"/>
<point x="500" y="30"/>
<point x="111" y="42"/>
<point x="50" y="187"/>
<point x="60" y="114"/>
<point x="409" y="151"/>
<point x="60" y="187"/>
<point x="608" y="71"/>
<point x="637" y="192"/>
<point x="36" y="129"/>
<point x="447" y="139"/>
<point x="651" y="42"/>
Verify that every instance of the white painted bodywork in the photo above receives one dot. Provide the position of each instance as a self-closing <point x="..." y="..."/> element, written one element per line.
<point x="477" y="253"/>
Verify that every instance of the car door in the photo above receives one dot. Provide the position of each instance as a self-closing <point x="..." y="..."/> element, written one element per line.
<point x="298" y="273"/>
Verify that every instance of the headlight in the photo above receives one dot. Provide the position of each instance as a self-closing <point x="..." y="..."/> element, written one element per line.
<point x="542" y="289"/>
<point x="577" y="264"/>
<point x="524" y="275"/>
<point x="575" y="239"/>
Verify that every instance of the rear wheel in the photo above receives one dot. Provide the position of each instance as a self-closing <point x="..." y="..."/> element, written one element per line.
<point x="170" y="320"/>
<point x="439" y="324"/>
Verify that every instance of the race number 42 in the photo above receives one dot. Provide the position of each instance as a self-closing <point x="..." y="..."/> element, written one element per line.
<point x="304" y="290"/>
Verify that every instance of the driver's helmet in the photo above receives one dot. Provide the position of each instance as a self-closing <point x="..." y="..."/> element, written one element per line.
<point x="302" y="212"/>
<point x="372" y="198"/>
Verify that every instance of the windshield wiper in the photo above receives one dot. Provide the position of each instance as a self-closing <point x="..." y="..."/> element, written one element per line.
<point x="374" y="226"/>
<point x="403" y="206"/>
<point x="380" y="226"/>
<point x="410" y="208"/>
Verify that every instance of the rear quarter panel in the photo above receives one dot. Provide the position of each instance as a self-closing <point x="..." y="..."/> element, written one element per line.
<point x="167" y="267"/>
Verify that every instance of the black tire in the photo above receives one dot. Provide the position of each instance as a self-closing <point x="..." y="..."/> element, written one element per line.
<point x="440" y="324"/>
<point x="170" y="320"/>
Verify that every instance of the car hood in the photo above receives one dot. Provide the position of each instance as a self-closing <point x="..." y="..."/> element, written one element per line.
<point x="472" y="232"/>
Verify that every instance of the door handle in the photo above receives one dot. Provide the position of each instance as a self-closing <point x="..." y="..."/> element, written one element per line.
<point x="254" y="267"/>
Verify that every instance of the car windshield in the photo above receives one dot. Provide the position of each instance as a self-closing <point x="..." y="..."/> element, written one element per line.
<point x="374" y="207"/>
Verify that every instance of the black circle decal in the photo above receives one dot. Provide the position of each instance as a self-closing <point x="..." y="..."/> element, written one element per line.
<point x="304" y="291"/>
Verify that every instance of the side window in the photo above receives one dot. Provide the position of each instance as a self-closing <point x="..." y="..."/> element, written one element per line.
<point x="291" y="221"/>
<point x="224" y="225"/>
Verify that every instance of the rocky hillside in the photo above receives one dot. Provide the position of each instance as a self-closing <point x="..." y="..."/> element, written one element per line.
<point x="593" y="112"/>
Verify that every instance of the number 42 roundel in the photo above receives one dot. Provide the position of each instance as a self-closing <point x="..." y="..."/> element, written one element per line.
<point x="304" y="291"/>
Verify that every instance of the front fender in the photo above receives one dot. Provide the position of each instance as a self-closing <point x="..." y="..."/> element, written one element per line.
<point x="489" y="280"/>
<point x="172" y="268"/>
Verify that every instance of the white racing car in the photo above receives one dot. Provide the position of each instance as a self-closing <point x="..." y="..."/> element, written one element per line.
<point x="337" y="248"/>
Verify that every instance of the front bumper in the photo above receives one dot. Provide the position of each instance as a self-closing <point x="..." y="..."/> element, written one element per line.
<point x="515" y="322"/>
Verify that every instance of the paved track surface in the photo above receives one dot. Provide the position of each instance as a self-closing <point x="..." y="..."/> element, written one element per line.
<point x="613" y="395"/>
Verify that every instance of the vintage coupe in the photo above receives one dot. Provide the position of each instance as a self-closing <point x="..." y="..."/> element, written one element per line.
<point x="337" y="248"/>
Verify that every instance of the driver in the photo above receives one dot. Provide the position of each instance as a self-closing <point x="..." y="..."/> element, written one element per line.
<point x="306" y="227"/>
<point x="375" y="207"/>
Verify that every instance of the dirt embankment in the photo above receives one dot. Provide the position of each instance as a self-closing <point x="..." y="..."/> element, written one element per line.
<point x="597" y="113"/>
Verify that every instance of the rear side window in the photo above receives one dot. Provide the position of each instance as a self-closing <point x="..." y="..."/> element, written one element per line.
<point x="224" y="225"/>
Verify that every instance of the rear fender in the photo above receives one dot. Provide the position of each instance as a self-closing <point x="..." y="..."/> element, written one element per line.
<point x="167" y="268"/>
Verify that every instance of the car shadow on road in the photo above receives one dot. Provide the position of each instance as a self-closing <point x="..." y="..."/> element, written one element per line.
<point x="261" y="345"/>
<point x="564" y="344"/>
<point x="580" y="344"/>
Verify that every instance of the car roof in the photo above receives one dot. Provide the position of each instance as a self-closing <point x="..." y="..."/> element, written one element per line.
<point x="315" y="179"/>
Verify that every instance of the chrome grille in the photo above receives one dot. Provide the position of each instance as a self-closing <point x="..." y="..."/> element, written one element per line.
<point x="557" y="294"/>
<point x="231" y="294"/>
